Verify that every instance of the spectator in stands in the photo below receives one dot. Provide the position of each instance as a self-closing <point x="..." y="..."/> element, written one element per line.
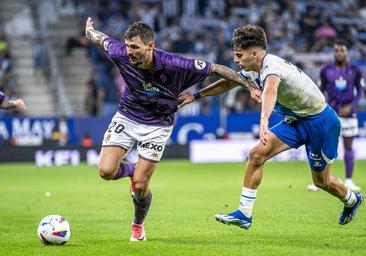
<point x="93" y="103"/>
<point x="75" y="42"/>
<point x="39" y="57"/>
<point x="186" y="26"/>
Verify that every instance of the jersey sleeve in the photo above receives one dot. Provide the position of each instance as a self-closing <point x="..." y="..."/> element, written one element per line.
<point x="115" y="49"/>
<point x="194" y="71"/>
<point x="270" y="70"/>
<point x="360" y="87"/>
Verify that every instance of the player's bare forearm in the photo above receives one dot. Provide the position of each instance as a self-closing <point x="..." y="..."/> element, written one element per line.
<point x="8" y="104"/>
<point x="228" y="74"/>
<point x="13" y="104"/>
<point x="269" y="96"/>
<point x="217" y="88"/>
<point x="94" y="35"/>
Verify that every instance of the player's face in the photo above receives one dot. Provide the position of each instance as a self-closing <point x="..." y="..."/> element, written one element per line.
<point x="138" y="52"/>
<point x="340" y="53"/>
<point x="246" y="59"/>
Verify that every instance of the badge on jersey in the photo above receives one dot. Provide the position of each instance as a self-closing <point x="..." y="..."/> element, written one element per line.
<point x="199" y="64"/>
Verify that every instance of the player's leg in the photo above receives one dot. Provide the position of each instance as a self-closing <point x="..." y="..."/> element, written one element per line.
<point x="335" y="187"/>
<point x="117" y="141"/>
<point x="349" y="160"/>
<point x="252" y="179"/>
<point x="331" y="184"/>
<point x="150" y="149"/>
<point x="349" y="131"/>
<point x="324" y="131"/>
<point x="142" y="196"/>
<point x="110" y="160"/>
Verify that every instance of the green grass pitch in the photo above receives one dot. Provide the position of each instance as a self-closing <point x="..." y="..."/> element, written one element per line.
<point x="288" y="220"/>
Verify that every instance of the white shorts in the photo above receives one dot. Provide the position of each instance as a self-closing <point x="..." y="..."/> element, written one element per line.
<point x="349" y="126"/>
<point x="125" y="133"/>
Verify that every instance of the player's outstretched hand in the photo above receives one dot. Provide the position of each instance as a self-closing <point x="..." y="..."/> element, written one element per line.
<point x="186" y="98"/>
<point x="20" y="104"/>
<point x="88" y="25"/>
<point x="256" y="94"/>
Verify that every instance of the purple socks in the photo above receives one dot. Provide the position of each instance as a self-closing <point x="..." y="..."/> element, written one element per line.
<point x="142" y="206"/>
<point x="349" y="162"/>
<point x="124" y="170"/>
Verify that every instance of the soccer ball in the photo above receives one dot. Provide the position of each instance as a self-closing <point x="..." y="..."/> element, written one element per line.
<point x="54" y="230"/>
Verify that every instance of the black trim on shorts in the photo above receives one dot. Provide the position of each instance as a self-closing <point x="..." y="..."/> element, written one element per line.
<point x="149" y="160"/>
<point x="116" y="146"/>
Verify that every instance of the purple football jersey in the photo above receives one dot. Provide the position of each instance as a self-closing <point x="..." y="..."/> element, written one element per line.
<point x="151" y="96"/>
<point x="342" y="86"/>
<point x="2" y="97"/>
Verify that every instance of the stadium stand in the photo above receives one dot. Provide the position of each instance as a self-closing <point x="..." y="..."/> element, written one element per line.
<point x="26" y="52"/>
<point x="85" y="82"/>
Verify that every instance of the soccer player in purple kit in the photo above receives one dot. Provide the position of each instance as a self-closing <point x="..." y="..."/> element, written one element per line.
<point x="10" y="104"/>
<point x="154" y="80"/>
<point x="343" y="85"/>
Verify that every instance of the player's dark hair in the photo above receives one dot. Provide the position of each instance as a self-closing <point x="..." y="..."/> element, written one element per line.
<point x="141" y="29"/>
<point x="341" y="42"/>
<point x="249" y="36"/>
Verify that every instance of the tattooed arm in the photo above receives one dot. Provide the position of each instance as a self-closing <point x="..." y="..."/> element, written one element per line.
<point x="230" y="75"/>
<point x="95" y="36"/>
<point x="231" y="79"/>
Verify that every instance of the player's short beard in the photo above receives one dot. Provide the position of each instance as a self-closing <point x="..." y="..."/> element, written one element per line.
<point x="141" y="61"/>
<point x="340" y="62"/>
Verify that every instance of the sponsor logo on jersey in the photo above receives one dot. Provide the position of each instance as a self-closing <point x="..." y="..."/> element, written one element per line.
<point x="341" y="83"/>
<point x="199" y="64"/>
<point x="150" y="89"/>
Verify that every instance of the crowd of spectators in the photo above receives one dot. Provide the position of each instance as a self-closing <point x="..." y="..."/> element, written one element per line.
<point x="203" y="29"/>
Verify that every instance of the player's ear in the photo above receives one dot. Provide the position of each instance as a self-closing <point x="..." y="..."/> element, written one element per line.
<point x="151" y="45"/>
<point x="254" y="53"/>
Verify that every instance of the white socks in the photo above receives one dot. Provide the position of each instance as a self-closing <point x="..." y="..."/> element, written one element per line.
<point x="350" y="198"/>
<point x="247" y="199"/>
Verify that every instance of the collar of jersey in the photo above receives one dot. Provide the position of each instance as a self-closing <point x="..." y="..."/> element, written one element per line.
<point x="157" y="60"/>
<point x="265" y="55"/>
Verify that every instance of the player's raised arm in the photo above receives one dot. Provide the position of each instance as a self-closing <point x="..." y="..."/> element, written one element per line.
<point x="95" y="36"/>
<point x="12" y="104"/>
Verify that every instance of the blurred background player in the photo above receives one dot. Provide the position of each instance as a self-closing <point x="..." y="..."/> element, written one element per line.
<point x="307" y="120"/>
<point x="154" y="79"/>
<point x="11" y="104"/>
<point x="343" y="86"/>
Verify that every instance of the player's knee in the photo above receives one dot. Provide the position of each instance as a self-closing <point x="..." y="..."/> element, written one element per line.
<point x="256" y="157"/>
<point x="105" y="172"/>
<point x="140" y="187"/>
